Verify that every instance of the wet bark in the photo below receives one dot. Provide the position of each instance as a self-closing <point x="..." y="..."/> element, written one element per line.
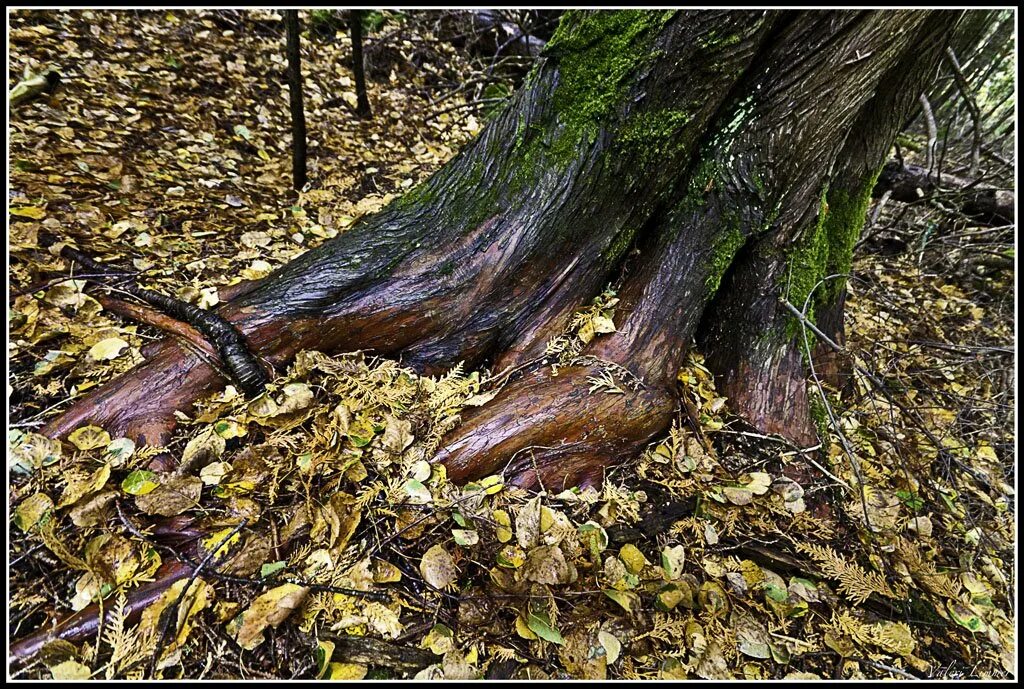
<point x="854" y="181"/>
<point x="714" y="144"/>
<point x="494" y="252"/>
<point x="706" y="140"/>
<point x="751" y="341"/>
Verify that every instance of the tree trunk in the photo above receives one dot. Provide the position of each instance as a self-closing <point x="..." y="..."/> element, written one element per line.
<point x="358" y="66"/>
<point x="751" y="339"/>
<point x="705" y="140"/>
<point x="854" y="181"/>
<point x="291" y="19"/>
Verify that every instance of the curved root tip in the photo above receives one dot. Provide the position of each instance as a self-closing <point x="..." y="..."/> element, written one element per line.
<point x="552" y="433"/>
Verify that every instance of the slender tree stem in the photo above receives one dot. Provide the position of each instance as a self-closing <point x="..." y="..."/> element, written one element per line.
<point x="291" y="18"/>
<point x="356" y="28"/>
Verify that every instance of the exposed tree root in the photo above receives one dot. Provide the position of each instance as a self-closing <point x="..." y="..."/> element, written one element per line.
<point x="551" y="432"/>
<point x="456" y="271"/>
<point x="144" y="314"/>
<point x="86" y="622"/>
<point x="244" y="368"/>
<point x="493" y="278"/>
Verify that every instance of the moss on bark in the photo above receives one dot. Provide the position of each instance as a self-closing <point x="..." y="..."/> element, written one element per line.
<point x="847" y="209"/>
<point x="597" y="52"/>
<point x="828" y="248"/>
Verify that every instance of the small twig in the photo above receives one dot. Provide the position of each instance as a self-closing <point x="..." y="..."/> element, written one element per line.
<point x="312" y="586"/>
<point x="379" y="546"/>
<point x="133" y="529"/>
<point x="833" y="421"/>
<point x="888" y="668"/>
<point x="246" y="370"/>
<point x="170" y="612"/>
<point x="66" y="278"/>
<point x="462" y="106"/>
<point x="877" y="211"/>
<point x="933" y="132"/>
<point x="972" y="108"/>
<point x="802" y="317"/>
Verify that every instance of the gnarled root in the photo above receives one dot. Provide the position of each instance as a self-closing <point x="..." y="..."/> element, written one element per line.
<point x="551" y="432"/>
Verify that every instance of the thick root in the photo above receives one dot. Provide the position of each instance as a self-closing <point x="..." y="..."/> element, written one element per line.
<point x="141" y="404"/>
<point x="552" y="432"/>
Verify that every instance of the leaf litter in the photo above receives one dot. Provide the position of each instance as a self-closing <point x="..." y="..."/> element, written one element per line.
<point x="907" y="574"/>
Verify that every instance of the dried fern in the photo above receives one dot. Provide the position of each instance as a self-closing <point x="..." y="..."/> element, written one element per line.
<point x="857" y="583"/>
<point x="129" y="646"/>
<point x="667" y="629"/>
<point x="48" y="532"/>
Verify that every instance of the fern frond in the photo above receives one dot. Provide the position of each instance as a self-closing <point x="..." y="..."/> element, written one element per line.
<point x="854" y="581"/>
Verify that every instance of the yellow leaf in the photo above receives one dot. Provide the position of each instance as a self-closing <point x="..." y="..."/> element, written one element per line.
<point x="211" y="542"/>
<point x="269" y="610"/>
<point x="491" y="484"/>
<point x="503" y="530"/>
<point x="523" y="630"/>
<point x="107" y="349"/>
<point x="632" y="558"/>
<point x="759" y="482"/>
<point x="986" y="452"/>
<point x="439" y="640"/>
<point x="612" y="646"/>
<point x="70" y="670"/>
<point x="89" y="438"/>
<point x="603" y="325"/>
<point x="204" y="448"/>
<point x="173" y="497"/>
<point x="31" y="510"/>
<point x="34" y="212"/>
<point x="80" y="485"/>
<point x="625" y="599"/>
<point x="346" y="670"/>
<point x="323" y="653"/>
<point x="212" y="474"/>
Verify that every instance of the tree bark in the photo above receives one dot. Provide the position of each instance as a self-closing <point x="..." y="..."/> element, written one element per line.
<point x="751" y="341"/>
<point x="497" y="249"/>
<point x="704" y="140"/>
<point x="854" y="181"/>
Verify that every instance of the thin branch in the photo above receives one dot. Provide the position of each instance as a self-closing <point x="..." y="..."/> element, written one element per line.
<point x="972" y="107"/>
<point x="933" y="132"/>
<point x="171" y="612"/>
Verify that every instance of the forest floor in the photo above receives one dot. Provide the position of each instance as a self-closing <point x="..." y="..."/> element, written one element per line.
<point x="165" y="150"/>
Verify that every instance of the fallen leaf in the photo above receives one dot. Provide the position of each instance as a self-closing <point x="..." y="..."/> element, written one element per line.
<point x="438" y="568"/>
<point x="89" y="438"/>
<point x="268" y="610"/>
<point x="172" y="497"/>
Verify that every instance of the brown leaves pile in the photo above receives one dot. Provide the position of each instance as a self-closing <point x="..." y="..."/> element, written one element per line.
<point x="350" y="531"/>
